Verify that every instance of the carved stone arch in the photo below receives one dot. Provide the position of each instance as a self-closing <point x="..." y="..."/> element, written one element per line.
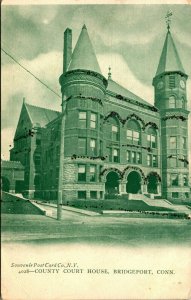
<point x="154" y="174"/>
<point x="152" y="125"/>
<point x="114" y="115"/>
<point x="136" y="118"/>
<point x="105" y="172"/>
<point x="129" y="169"/>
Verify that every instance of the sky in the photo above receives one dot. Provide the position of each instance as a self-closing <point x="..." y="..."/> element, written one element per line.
<point x="129" y="38"/>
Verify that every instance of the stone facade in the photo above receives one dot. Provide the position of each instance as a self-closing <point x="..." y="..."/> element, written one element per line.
<point x="114" y="142"/>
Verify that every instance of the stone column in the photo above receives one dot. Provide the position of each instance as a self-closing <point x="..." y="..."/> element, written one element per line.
<point x="122" y="187"/>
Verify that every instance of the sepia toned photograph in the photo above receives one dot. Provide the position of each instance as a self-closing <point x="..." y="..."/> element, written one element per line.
<point x="96" y="151"/>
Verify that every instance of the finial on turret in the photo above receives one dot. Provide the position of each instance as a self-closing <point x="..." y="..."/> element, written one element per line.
<point x="168" y="19"/>
<point x="84" y="26"/>
<point x="109" y="73"/>
<point x="23" y="99"/>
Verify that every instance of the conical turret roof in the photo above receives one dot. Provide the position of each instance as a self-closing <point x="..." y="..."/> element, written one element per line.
<point x="169" y="60"/>
<point x="83" y="56"/>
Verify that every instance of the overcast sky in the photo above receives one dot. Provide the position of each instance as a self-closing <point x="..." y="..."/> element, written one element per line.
<point x="129" y="38"/>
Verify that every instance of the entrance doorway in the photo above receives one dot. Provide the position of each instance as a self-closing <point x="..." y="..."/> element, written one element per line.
<point x="112" y="184"/>
<point x="5" y="184"/>
<point x="152" y="184"/>
<point x="133" y="185"/>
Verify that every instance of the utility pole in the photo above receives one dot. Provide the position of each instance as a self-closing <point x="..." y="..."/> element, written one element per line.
<point x="61" y="166"/>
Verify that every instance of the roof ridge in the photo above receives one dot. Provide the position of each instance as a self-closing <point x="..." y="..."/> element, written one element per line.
<point x="130" y="92"/>
<point x="42" y="107"/>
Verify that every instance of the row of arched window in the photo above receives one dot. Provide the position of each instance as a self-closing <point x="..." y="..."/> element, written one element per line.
<point x="133" y="133"/>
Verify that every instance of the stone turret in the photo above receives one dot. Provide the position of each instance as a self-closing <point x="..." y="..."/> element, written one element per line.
<point x="171" y="100"/>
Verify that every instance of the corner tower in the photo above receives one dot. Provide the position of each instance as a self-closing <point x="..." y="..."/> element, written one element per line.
<point x="171" y="100"/>
<point x="83" y="90"/>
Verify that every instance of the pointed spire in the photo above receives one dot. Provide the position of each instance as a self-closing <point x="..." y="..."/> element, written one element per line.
<point x="109" y="73"/>
<point x="83" y="56"/>
<point x="24" y="100"/>
<point x="169" y="60"/>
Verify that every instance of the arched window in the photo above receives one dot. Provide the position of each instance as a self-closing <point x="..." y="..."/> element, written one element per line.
<point x="114" y="129"/>
<point x="133" y="132"/>
<point x="151" y="137"/>
<point x="172" y="102"/>
<point x="182" y="103"/>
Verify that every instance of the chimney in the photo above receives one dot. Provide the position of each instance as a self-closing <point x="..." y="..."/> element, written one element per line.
<point x="67" y="48"/>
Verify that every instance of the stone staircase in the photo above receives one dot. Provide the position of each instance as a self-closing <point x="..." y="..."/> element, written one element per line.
<point x="161" y="203"/>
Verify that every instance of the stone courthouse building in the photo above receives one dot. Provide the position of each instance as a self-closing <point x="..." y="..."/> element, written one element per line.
<point x="107" y="141"/>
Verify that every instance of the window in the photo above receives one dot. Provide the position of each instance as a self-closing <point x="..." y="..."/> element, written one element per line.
<point x="93" y="146"/>
<point x="38" y="141"/>
<point x="173" y="162"/>
<point x="92" y="173"/>
<point x="155" y="162"/>
<point x="172" y="102"/>
<point x="82" y="150"/>
<point x="128" y="156"/>
<point x="133" y="132"/>
<point x="101" y="123"/>
<point x="57" y="152"/>
<point x="173" y="142"/>
<point x="138" y="158"/>
<point x="115" y="155"/>
<point x="148" y="160"/>
<point x="133" y="156"/>
<point x="82" y="119"/>
<point x="171" y="81"/>
<point x="184" y="161"/>
<point x="109" y="151"/>
<point x="174" y="179"/>
<point x="115" y="135"/>
<point x="152" y="138"/>
<point x="81" y="173"/>
<point x="81" y="194"/>
<point x="93" y="194"/>
<point x="101" y="148"/>
<point x="93" y="120"/>
<point x="174" y="195"/>
<point x="183" y="142"/>
<point x="185" y="180"/>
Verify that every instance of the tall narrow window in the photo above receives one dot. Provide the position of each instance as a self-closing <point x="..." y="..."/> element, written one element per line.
<point x="128" y="156"/>
<point x="171" y="81"/>
<point x="93" y="120"/>
<point x="155" y="162"/>
<point x="173" y="142"/>
<point x="151" y="138"/>
<point x="101" y="148"/>
<point x="115" y="133"/>
<point x="172" y="102"/>
<point x="81" y="173"/>
<point x="185" y="180"/>
<point x="133" y="156"/>
<point x="82" y="119"/>
<point x="149" y="160"/>
<point x="93" y="146"/>
<point x="183" y="142"/>
<point x="82" y="146"/>
<point x="115" y="155"/>
<point x="174" y="179"/>
<point x="138" y="158"/>
<point x="92" y="173"/>
<point x="133" y="132"/>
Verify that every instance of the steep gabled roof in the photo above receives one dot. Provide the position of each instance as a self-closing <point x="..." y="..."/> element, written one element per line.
<point x="83" y="56"/>
<point x="120" y="90"/>
<point x="41" y="115"/>
<point x="169" y="60"/>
